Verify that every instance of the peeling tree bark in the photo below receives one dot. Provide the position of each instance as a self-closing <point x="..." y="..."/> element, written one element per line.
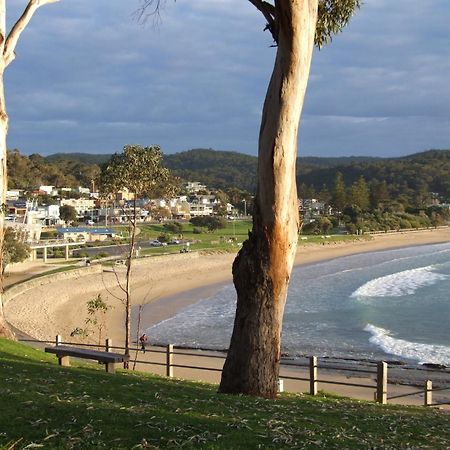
<point x="8" y="43"/>
<point x="262" y="269"/>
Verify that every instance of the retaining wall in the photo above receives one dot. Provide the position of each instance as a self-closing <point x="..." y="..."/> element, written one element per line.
<point x="20" y="288"/>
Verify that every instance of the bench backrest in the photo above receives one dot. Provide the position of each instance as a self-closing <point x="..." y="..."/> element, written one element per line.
<point x="62" y="350"/>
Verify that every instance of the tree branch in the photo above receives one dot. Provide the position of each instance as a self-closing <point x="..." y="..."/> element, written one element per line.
<point x="269" y="12"/>
<point x="154" y="6"/>
<point x="19" y="26"/>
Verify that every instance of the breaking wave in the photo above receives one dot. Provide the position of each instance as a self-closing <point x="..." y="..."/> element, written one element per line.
<point x="424" y="353"/>
<point x="400" y="283"/>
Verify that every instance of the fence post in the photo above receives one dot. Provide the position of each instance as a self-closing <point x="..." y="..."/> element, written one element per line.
<point x="313" y="375"/>
<point x="382" y="382"/>
<point x="428" y="393"/>
<point x="58" y="340"/>
<point x="169" y="361"/>
<point x="108" y="345"/>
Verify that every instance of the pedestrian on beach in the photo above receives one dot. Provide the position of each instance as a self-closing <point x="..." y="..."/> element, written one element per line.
<point x="143" y="340"/>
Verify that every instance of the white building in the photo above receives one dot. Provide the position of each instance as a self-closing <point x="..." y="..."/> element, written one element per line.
<point x="49" y="190"/>
<point x="83" y="190"/>
<point x="14" y="194"/>
<point x="83" y="206"/>
<point x="194" y="186"/>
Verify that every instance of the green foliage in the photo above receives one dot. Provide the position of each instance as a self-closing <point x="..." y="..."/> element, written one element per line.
<point x="58" y="253"/>
<point x="165" y="237"/>
<point x="173" y="227"/>
<point x="95" y="320"/>
<point x="15" y="249"/>
<point x="221" y="207"/>
<point x="139" y="170"/>
<point x="333" y="16"/>
<point x="46" y="406"/>
<point x="29" y="172"/>
<point x="68" y="213"/>
<point x="216" y="169"/>
<point x="212" y="223"/>
<point x="322" y="225"/>
<point x="405" y="179"/>
<point x="359" y="194"/>
<point x="80" y="254"/>
<point x="339" y="196"/>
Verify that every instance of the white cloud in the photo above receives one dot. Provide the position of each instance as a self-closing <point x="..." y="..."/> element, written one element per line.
<point x="199" y="77"/>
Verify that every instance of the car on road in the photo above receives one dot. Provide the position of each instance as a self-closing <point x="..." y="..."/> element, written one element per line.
<point x="156" y="243"/>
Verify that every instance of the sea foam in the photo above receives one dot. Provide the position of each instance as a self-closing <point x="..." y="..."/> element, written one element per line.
<point x="424" y="353"/>
<point x="400" y="283"/>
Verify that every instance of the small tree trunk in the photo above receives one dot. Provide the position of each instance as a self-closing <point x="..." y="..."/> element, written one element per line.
<point x="128" y="280"/>
<point x="262" y="269"/>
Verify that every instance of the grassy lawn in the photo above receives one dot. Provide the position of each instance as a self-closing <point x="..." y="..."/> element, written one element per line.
<point x="45" y="406"/>
<point x="226" y="239"/>
<point x="66" y="268"/>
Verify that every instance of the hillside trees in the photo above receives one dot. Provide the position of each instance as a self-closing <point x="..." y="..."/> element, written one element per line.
<point x="339" y="196"/>
<point x="8" y="43"/>
<point x="139" y="170"/>
<point x="359" y="194"/>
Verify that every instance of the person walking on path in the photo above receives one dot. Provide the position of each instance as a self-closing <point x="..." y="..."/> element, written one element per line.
<point x="143" y="340"/>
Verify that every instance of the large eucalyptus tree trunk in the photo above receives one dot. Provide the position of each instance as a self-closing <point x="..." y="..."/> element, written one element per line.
<point x="262" y="269"/>
<point x="8" y="43"/>
<point x="4" y="329"/>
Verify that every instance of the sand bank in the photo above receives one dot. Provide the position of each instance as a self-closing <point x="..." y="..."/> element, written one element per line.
<point x="164" y="284"/>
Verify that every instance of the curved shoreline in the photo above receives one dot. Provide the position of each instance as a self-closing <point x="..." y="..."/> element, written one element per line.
<point x="166" y="284"/>
<point x="307" y="254"/>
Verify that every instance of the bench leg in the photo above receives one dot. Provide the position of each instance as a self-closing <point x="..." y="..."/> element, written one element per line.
<point x="110" y="367"/>
<point x="64" y="361"/>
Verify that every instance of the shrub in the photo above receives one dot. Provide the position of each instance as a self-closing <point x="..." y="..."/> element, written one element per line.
<point x="173" y="227"/>
<point x="81" y="254"/>
<point x="58" y="253"/>
<point x="166" y="237"/>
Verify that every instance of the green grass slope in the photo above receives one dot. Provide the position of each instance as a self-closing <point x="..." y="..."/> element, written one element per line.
<point x="45" y="406"/>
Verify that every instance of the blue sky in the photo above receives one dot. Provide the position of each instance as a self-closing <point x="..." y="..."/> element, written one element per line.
<point x="89" y="78"/>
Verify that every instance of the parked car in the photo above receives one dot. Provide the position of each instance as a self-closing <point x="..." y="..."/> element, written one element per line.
<point x="174" y="242"/>
<point x="156" y="243"/>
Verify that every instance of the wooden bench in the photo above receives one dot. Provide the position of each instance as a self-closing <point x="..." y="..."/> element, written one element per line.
<point x="108" y="358"/>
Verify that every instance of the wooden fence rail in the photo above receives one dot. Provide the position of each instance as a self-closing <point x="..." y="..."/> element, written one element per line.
<point x="380" y="372"/>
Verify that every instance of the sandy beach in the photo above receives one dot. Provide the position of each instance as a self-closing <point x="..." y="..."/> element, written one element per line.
<point x="163" y="285"/>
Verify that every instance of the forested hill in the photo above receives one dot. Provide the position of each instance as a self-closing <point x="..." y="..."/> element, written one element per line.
<point x="215" y="168"/>
<point x="428" y="170"/>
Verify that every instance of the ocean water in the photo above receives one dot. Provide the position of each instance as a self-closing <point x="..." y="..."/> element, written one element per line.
<point x="391" y="304"/>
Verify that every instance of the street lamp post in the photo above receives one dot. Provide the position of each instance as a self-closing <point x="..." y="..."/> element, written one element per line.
<point x="245" y="207"/>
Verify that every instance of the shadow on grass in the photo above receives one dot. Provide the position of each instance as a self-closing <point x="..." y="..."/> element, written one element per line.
<point x="84" y="407"/>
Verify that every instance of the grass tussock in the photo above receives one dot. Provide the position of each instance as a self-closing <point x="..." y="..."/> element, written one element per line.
<point x="45" y="406"/>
